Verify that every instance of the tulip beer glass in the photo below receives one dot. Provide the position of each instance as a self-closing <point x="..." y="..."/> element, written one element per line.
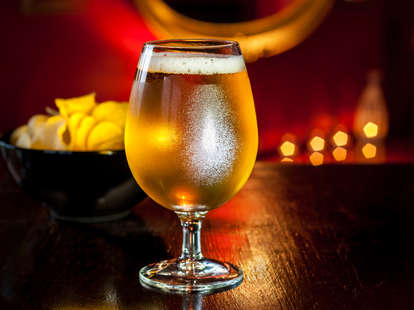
<point x="191" y="143"/>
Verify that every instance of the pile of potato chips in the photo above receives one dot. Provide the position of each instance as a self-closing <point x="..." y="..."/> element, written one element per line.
<point x="80" y="125"/>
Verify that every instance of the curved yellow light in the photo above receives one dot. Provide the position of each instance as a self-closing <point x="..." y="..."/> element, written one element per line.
<point x="286" y="160"/>
<point x="263" y="37"/>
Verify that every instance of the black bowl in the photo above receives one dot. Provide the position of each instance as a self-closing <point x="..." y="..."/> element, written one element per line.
<point x="75" y="186"/>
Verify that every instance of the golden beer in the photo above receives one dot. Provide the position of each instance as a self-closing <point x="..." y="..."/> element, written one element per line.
<point x="191" y="133"/>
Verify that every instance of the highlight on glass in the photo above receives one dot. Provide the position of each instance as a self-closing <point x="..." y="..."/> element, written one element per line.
<point x="191" y="142"/>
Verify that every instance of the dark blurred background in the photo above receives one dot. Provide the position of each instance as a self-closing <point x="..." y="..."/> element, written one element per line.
<point x="67" y="48"/>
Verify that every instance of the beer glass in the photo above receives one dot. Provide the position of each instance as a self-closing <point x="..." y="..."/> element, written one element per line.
<point x="191" y="143"/>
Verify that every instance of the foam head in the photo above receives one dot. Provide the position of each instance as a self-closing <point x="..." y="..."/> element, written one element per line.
<point x="185" y="63"/>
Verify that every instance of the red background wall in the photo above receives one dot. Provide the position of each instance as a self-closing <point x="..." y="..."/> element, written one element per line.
<point x="95" y="45"/>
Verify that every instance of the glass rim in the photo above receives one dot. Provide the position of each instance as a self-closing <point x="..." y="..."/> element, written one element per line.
<point x="180" y="44"/>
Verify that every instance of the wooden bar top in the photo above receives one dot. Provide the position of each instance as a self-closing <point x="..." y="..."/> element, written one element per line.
<point x="329" y="237"/>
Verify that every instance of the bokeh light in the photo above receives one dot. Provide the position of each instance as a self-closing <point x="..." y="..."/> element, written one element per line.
<point x="317" y="143"/>
<point x="340" y="138"/>
<point x="370" y="130"/>
<point x="287" y="148"/>
<point x="286" y="160"/>
<point x="339" y="153"/>
<point x="316" y="158"/>
<point x="369" y="150"/>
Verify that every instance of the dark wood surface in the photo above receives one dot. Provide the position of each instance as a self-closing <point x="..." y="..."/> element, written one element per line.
<point x="330" y="237"/>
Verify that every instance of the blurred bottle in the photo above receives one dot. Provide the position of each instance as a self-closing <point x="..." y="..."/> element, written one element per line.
<point x="371" y="117"/>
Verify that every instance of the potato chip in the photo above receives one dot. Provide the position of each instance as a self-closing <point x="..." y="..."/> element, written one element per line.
<point x="51" y="111"/>
<point x="105" y="134"/>
<point x="84" y="104"/>
<point x="49" y="135"/>
<point x="35" y="123"/>
<point x="111" y="145"/>
<point x="73" y="124"/>
<point x="17" y="133"/>
<point x="111" y="111"/>
<point x="82" y="134"/>
<point x="24" y="140"/>
<point x="79" y="125"/>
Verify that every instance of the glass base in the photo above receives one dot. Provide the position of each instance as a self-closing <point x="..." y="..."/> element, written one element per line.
<point x="202" y="275"/>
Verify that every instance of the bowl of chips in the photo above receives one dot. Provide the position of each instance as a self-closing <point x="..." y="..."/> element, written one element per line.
<point x="73" y="160"/>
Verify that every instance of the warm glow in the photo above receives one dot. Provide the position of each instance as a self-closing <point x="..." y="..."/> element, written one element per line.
<point x="340" y="138"/>
<point x="316" y="158"/>
<point x="370" y="130"/>
<point x="287" y="148"/>
<point x="184" y="197"/>
<point x="317" y="143"/>
<point x="339" y="153"/>
<point x="164" y="136"/>
<point x="286" y="160"/>
<point x="369" y="150"/>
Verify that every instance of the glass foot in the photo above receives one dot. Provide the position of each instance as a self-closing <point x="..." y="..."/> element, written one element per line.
<point x="184" y="275"/>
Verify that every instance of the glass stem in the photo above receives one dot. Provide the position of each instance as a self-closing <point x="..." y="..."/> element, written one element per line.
<point x="191" y="224"/>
